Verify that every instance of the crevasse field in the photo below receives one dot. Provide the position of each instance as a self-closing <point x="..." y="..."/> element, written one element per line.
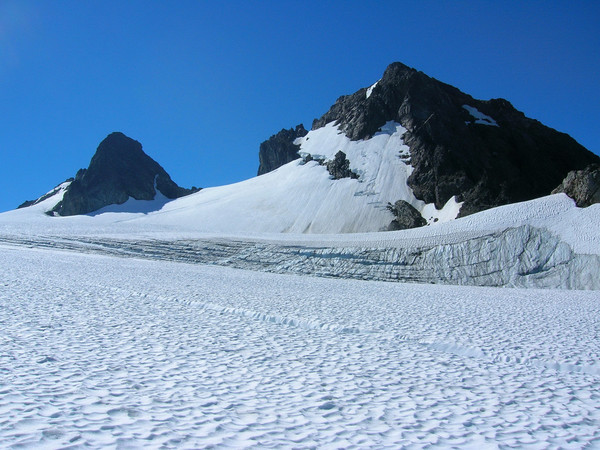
<point x="107" y="351"/>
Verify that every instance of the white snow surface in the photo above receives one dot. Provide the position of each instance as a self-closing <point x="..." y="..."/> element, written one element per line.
<point x="53" y="198"/>
<point x="100" y="352"/>
<point x="136" y="206"/>
<point x="178" y="219"/>
<point x="479" y="117"/>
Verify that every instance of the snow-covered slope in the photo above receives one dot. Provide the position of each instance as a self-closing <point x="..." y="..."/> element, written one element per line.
<point x="303" y="198"/>
<point x="46" y="202"/>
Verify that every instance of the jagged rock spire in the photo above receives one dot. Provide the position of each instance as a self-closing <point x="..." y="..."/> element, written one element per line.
<point x="118" y="170"/>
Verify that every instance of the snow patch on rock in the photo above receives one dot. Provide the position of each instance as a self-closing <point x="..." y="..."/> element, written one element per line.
<point x="479" y="117"/>
<point x="370" y="89"/>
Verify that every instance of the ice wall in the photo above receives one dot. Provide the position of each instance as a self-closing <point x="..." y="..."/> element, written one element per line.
<point x="523" y="256"/>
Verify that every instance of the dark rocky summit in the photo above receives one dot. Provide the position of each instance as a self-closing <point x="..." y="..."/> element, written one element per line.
<point x="118" y="170"/>
<point x="279" y="149"/>
<point x="583" y="186"/>
<point x="406" y="216"/>
<point x="485" y="152"/>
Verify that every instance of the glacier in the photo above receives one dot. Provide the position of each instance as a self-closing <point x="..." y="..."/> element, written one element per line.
<point x="157" y="325"/>
<point x="517" y="257"/>
<point x="297" y="219"/>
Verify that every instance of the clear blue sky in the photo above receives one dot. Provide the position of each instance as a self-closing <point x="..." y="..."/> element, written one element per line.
<point x="201" y="84"/>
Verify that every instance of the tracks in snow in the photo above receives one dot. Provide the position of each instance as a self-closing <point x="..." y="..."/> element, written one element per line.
<point x="387" y="338"/>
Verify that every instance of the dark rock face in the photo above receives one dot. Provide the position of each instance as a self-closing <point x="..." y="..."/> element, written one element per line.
<point x="118" y="170"/>
<point x="406" y="216"/>
<point x="339" y="167"/>
<point x="279" y="149"/>
<point x="583" y="186"/>
<point x="456" y="150"/>
<point x="27" y="203"/>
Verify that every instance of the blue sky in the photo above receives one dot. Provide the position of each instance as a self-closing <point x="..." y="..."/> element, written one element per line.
<point x="202" y="84"/>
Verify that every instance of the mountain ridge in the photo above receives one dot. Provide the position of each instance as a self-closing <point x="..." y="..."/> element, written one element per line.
<point x="439" y="154"/>
<point x="484" y="152"/>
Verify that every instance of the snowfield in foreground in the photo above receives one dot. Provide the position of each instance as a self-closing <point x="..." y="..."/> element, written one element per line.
<point x="107" y="351"/>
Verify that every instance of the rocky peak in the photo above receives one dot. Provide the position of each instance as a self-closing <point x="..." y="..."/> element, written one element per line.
<point x="402" y="94"/>
<point x="484" y="152"/>
<point x="279" y="149"/>
<point x="118" y="170"/>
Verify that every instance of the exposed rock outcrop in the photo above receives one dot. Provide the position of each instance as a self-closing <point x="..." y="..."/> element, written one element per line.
<point x="339" y="167"/>
<point x="118" y="170"/>
<point x="406" y="216"/>
<point x="485" y="152"/>
<point x="279" y="149"/>
<point x="583" y="186"/>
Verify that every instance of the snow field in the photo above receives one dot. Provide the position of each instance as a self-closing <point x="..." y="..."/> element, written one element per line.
<point x="107" y="351"/>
